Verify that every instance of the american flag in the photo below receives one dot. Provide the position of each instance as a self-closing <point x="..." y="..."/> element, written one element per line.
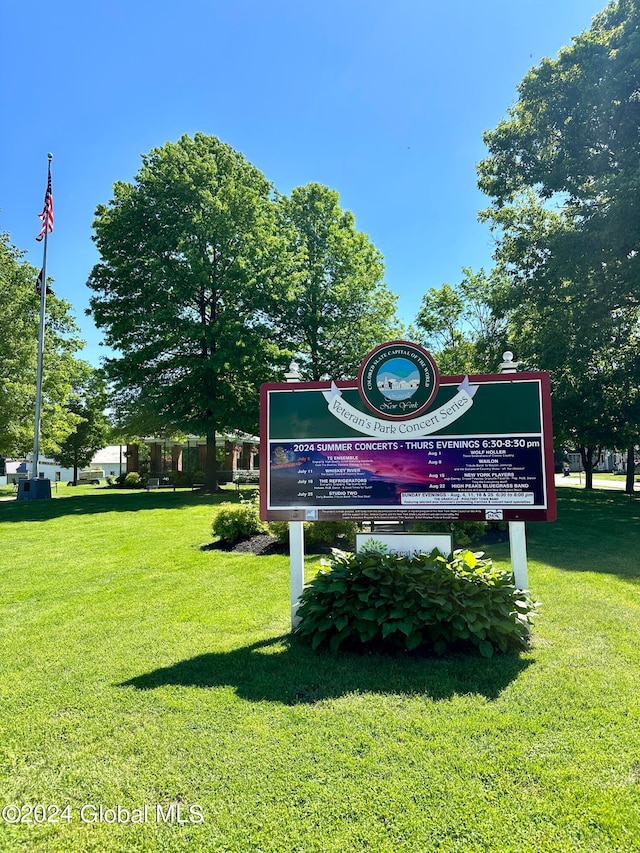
<point x="47" y="211"/>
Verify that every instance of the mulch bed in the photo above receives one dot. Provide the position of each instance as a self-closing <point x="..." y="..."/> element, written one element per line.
<point x="263" y="544"/>
<point x="260" y="544"/>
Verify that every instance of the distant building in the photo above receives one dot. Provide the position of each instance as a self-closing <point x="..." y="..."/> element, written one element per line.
<point x="606" y="461"/>
<point x="155" y="456"/>
<point x="108" y="462"/>
<point x="235" y="452"/>
<point x="112" y="459"/>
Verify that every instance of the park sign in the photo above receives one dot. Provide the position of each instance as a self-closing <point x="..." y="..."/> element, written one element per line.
<point x="402" y="443"/>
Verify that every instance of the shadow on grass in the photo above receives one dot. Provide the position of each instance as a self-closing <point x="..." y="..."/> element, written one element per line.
<point x="108" y="500"/>
<point x="596" y="531"/>
<point x="283" y="670"/>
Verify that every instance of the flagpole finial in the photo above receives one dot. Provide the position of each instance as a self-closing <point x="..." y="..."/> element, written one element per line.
<point x="50" y="156"/>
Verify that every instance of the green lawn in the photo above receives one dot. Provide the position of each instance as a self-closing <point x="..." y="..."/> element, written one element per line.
<point x="608" y="476"/>
<point x="138" y="669"/>
<point x="616" y="478"/>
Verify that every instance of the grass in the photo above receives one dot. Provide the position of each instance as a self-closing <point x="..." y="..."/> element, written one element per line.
<point x="136" y="668"/>
<point x="605" y="476"/>
<point x="609" y="475"/>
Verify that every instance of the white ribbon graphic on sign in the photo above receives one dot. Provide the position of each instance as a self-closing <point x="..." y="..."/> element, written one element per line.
<point x="430" y="422"/>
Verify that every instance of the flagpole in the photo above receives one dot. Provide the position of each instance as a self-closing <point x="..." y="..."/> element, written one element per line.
<point x="43" y="304"/>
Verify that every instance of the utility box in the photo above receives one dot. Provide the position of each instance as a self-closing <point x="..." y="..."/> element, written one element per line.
<point x="34" y="490"/>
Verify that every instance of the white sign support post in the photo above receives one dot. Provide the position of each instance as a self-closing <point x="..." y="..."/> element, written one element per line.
<point x="296" y="563"/>
<point x="517" y="529"/>
<point x="296" y="539"/>
<point x="518" y="549"/>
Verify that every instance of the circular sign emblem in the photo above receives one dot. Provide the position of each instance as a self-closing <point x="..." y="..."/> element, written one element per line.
<point x="398" y="380"/>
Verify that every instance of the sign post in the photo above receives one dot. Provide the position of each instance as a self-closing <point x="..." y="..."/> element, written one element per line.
<point x="296" y="567"/>
<point x="517" y="529"/>
<point x="296" y="540"/>
<point x="518" y="550"/>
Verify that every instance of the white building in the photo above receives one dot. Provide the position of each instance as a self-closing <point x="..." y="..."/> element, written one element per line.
<point x="109" y="462"/>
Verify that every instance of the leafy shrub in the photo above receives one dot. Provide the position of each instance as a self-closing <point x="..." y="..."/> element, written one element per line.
<point x="184" y="479"/>
<point x="330" y="532"/>
<point x="181" y="479"/>
<point x="234" y="522"/>
<point x="133" y="480"/>
<point x="425" y="601"/>
<point x="279" y="529"/>
<point x="247" y="478"/>
<point x="341" y="533"/>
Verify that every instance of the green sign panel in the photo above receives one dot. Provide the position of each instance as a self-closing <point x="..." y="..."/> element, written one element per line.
<point x="476" y="447"/>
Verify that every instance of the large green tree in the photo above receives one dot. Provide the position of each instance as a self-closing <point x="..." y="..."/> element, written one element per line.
<point x="457" y="324"/>
<point x="87" y="403"/>
<point x="564" y="174"/>
<point x="19" y="322"/>
<point x="339" y="307"/>
<point x="190" y="262"/>
<point x="571" y="328"/>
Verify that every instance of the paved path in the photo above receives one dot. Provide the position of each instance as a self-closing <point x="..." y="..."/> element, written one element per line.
<point x="577" y="480"/>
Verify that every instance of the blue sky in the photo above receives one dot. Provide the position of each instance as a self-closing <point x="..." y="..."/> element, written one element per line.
<point x="385" y="102"/>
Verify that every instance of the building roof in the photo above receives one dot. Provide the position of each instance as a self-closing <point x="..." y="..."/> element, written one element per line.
<point x="110" y="455"/>
<point x="16" y="467"/>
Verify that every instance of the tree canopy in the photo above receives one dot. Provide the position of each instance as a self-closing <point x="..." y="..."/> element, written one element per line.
<point x="457" y="324"/>
<point x="563" y="172"/>
<point x="190" y="265"/>
<point x="87" y="402"/>
<point x="209" y="283"/>
<point x="19" y="320"/>
<point x="574" y="131"/>
<point x="338" y="307"/>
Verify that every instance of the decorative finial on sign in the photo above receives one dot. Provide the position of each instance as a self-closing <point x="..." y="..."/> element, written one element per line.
<point x="508" y="364"/>
<point x="293" y="374"/>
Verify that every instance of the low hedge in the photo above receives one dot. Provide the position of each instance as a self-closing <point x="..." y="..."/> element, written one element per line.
<point x="338" y="533"/>
<point x="371" y="599"/>
<point x="234" y="522"/>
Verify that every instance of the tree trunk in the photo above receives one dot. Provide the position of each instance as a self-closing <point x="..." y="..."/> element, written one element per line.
<point x="210" y="467"/>
<point x="631" y="468"/>
<point x="586" y="454"/>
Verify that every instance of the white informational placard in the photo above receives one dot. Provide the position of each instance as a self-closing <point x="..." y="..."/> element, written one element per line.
<point x="404" y="544"/>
